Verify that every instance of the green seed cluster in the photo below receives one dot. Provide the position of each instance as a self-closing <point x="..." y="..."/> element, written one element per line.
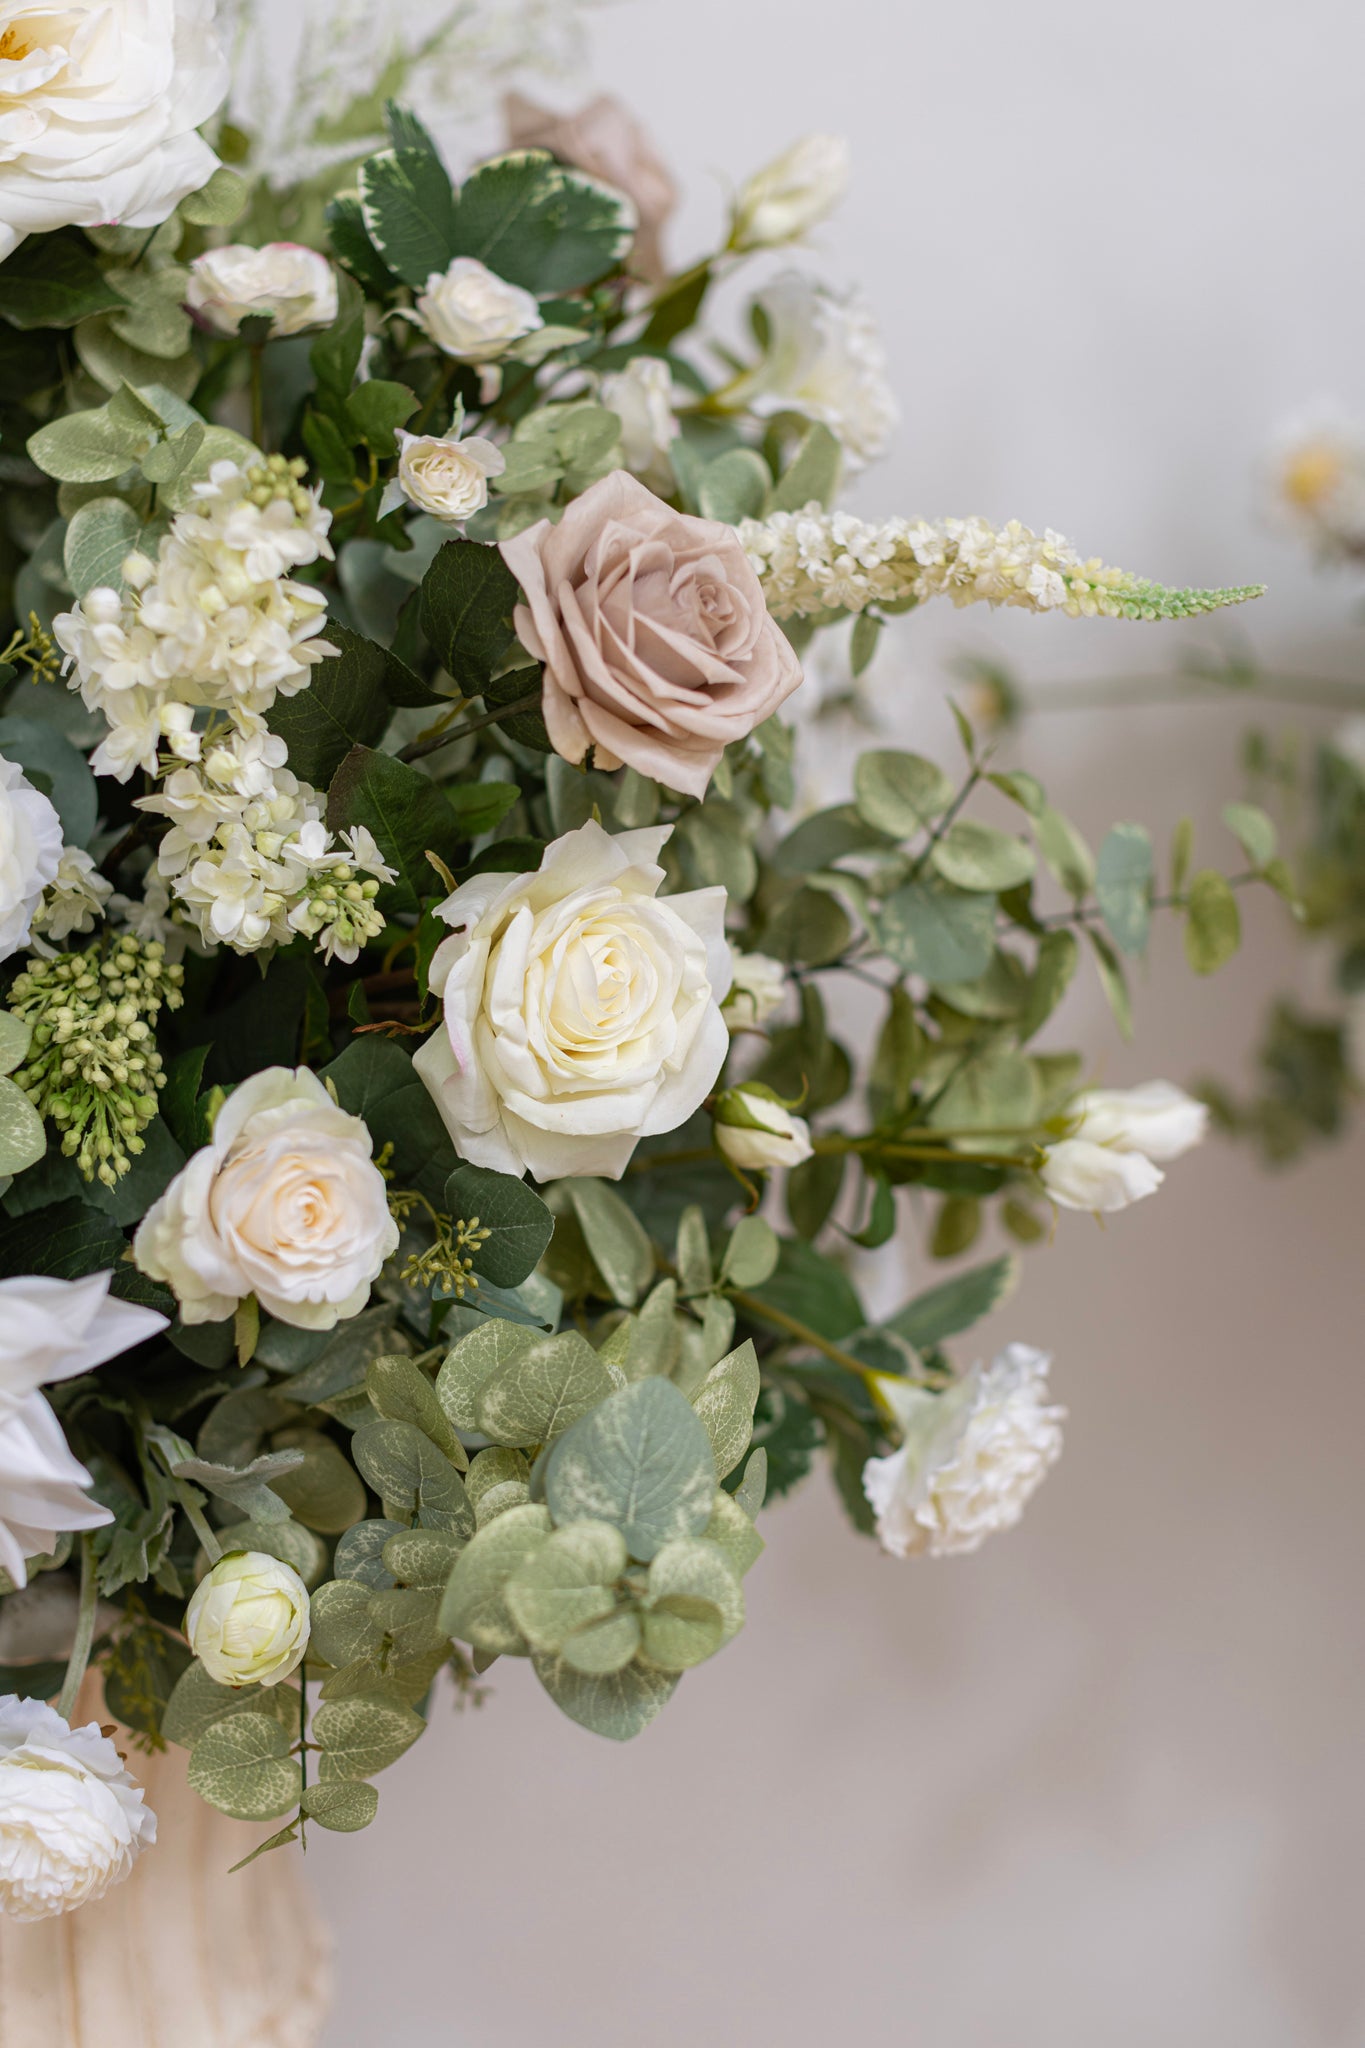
<point x="93" y="1067"/>
<point x="341" y="905"/>
<point x="278" y="477"/>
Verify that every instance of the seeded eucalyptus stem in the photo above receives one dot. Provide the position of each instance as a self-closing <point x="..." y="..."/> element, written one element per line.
<point x="419" y="749"/>
<point x="85" y="1630"/>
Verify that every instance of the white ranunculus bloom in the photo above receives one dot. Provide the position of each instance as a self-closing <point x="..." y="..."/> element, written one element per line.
<point x="757" y="1133"/>
<point x="443" y="476"/>
<point x="641" y="396"/>
<point x="473" y="314"/>
<point x="30" y="850"/>
<point x="757" y="991"/>
<point x="1079" y="1174"/>
<point x="248" y="1620"/>
<point x="970" y="1459"/>
<point x="99" y="103"/>
<point x="1158" y="1119"/>
<point x="72" y="1820"/>
<point x="792" y="193"/>
<point x="285" y="283"/>
<point x="823" y="357"/>
<point x="285" y="1203"/>
<point x="580" y="1008"/>
<point x="52" y="1330"/>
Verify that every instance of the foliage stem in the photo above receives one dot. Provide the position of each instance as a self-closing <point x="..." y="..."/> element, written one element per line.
<point x="419" y="749"/>
<point x="778" y="1319"/>
<point x="85" y="1629"/>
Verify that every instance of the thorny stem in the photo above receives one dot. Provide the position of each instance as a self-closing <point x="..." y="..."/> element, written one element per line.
<point x="85" y="1630"/>
<point x="420" y="748"/>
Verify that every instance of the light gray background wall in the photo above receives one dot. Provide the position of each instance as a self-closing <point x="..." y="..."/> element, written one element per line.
<point x="1100" y="1784"/>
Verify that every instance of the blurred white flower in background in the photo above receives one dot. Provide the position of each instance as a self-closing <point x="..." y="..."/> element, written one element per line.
<point x="1316" y="479"/>
<point x="792" y="194"/>
<point x="1108" y="1160"/>
<point x="823" y="356"/>
<point x="292" y="287"/>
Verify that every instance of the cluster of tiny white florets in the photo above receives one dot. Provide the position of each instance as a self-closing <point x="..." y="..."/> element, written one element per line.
<point x="184" y="663"/>
<point x="817" y="564"/>
<point x="74" y="900"/>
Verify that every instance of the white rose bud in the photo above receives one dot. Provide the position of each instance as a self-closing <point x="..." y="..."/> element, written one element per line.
<point x="1081" y="1175"/>
<point x="792" y="193"/>
<point x="285" y="1203"/>
<point x="444" y="477"/>
<point x="970" y="1459"/>
<point x="248" y="1622"/>
<point x="473" y="314"/>
<point x="283" y="282"/>
<point x="757" y="991"/>
<point x="756" y="1132"/>
<point x="1158" y="1119"/>
<point x="72" y="1819"/>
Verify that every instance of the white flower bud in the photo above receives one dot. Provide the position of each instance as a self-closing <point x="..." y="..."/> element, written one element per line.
<point x="248" y="1622"/>
<point x="72" y="1819"/>
<point x="757" y="991"/>
<point x="473" y="314"/>
<point x="1081" y="1175"/>
<point x="288" y="285"/>
<point x="756" y="1133"/>
<point x="1158" y="1118"/>
<point x="792" y="193"/>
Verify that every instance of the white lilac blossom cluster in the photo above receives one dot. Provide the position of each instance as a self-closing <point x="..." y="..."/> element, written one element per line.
<point x="184" y="663"/>
<point x="815" y="564"/>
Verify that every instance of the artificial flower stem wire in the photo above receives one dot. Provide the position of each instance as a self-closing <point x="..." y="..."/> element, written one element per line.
<point x="420" y="748"/>
<point x="85" y="1630"/>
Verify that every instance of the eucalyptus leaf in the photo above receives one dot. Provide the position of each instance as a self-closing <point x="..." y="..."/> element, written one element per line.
<point x="241" y="1765"/>
<point x="361" y="1735"/>
<point x="618" y="1705"/>
<point x="641" y="1460"/>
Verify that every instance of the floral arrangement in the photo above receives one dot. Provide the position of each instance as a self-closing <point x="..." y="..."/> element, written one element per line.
<point x="432" y="1181"/>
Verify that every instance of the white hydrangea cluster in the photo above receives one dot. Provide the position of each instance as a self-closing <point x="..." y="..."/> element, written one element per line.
<point x="816" y="564"/>
<point x="184" y="664"/>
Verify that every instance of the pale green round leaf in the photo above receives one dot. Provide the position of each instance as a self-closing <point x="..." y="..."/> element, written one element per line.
<point x="618" y="1705"/>
<point x="973" y="856"/>
<point x="642" y="1460"/>
<point x="540" y="1391"/>
<point x="242" y="1766"/>
<point x="900" y="793"/>
<point x="362" y="1735"/>
<point x="345" y="1808"/>
<point x="725" y="1403"/>
<point x="474" y="1608"/>
<point x="23" y="1137"/>
<point x="475" y="1358"/>
<point x="566" y="1583"/>
<point x="343" y="1628"/>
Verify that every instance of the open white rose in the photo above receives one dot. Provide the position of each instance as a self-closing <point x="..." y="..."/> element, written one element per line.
<point x="285" y="1203"/>
<point x="1158" y="1119"/>
<point x="756" y="1132"/>
<point x="473" y="314"/>
<point x="30" y="853"/>
<point x="52" y="1330"/>
<point x="1078" y="1174"/>
<point x="580" y="1008"/>
<point x="248" y="1621"/>
<point x="292" y="287"/>
<point x="99" y="103"/>
<point x="792" y="193"/>
<point x="72" y="1820"/>
<point x="443" y="476"/>
<point x="970" y="1459"/>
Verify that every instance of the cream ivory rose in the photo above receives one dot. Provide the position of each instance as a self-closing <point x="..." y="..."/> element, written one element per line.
<point x="652" y="626"/>
<point x="285" y="1203"/>
<point x="249" y="1621"/>
<point x="580" y="1008"/>
<point x="99" y="104"/>
<point x="292" y="287"/>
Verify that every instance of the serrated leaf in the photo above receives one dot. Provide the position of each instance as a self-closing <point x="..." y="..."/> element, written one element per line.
<point x="361" y="1735"/>
<point x="956" y="1304"/>
<point x="407" y="207"/>
<point x="404" y="810"/>
<point x="642" y="1461"/>
<point x="241" y="1765"/>
<point x="468" y="596"/>
<point x="542" y="225"/>
<point x="344" y="706"/>
<point x="53" y="281"/>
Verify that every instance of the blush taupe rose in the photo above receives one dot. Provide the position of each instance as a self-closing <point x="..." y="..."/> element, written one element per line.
<point x="657" y="643"/>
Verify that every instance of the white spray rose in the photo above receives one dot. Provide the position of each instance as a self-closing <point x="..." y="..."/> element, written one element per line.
<point x="1079" y="1174"/>
<point x="641" y="396"/>
<point x="970" y="1459"/>
<point x="72" y="1820"/>
<point x="285" y="1203"/>
<point x="52" y="1330"/>
<point x="248" y="1621"/>
<point x="580" y="1008"/>
<point x="283" y="282"/>
<point x="756" y="1132"/>
<point x="757" y="991"/>
<point x="30" y="853"/>
<point x="443" y="476"/>
<point x="792" y="193"/>
<point x="1157" y="1119"/>
<point x="473" y="314"/>
<point x="98" y="108"/>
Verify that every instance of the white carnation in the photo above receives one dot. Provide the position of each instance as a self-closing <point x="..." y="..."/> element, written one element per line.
<point x="473" y="314"/>
<point x="100" y="107"/>
<point x="291" y="286"/>
<point x="285" y="1203"/>
<point x="73" y="1821"/>
<point x="971" y="1457"/>
<point x="580" y="1009"/>
<point x="52" y="1330"/>
<point x="30" y="853"/>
